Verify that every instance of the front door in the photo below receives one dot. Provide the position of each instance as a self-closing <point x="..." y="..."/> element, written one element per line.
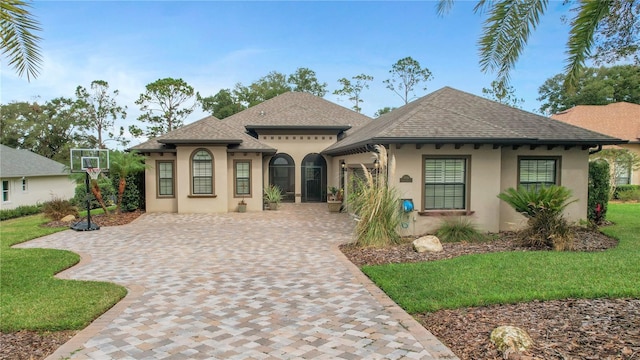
<point x="313" y="184"/>
<point x="314" y="178"/>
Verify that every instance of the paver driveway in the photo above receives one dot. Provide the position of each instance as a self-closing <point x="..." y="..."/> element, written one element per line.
<point x="268" y="285"/>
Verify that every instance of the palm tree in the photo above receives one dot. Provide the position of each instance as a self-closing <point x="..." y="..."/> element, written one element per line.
<point x="19" y="42"/>
<point x="123" y="164"/>
<point x="510" y="22"/>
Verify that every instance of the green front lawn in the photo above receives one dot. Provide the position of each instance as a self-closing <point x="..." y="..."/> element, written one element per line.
<point x="31" y="298"/>
<point x="511" y="277"/>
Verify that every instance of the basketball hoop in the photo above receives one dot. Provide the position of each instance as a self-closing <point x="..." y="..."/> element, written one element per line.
<point x="93" y="173"/>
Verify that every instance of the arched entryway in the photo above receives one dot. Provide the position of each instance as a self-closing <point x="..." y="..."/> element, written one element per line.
<point x="314" y="178"/>
<point x="282" y="173"/>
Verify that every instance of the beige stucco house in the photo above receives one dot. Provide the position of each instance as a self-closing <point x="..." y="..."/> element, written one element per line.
<point x="30" y="179"/>
<point x="620" y="120"/>
<point x="455" y="152"/>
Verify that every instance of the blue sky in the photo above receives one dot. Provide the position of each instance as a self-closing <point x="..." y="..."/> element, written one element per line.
<point x="213" y="45"/>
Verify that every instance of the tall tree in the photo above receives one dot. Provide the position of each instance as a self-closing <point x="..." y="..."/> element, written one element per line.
<point x="50" y="129"/>
<point x="18" y="37"/>
<point x="165" y="103"/>
<point x="406" y="74"/>
<point x="609" y="26"/>
<point x="305" y="80"/>
<point x="354" y="89"/>
<point x="101" y="111"/>
<point x="221" y="105"/>
<point x="123" y="164"/>
<point x="596" y="86"/>
<point x="504" y="94"/>
<point x="384" y="110"/>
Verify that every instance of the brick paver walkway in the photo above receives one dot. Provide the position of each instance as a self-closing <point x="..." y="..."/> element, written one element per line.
<point x="268" y="285"/>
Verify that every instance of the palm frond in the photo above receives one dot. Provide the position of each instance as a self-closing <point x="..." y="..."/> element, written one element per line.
<point x="506" y="32"/>
<point x="19" y="41"/>
<point x="444" y="6"/>
<point x="581" y="37"/>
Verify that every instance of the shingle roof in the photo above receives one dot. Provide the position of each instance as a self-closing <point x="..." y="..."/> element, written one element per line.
<point x="209" y="130"/>
<point x="18" y="163"/>
<point x="621" y="120"/>
<point x="296" y="110"/>
<point x="451" y="116"/>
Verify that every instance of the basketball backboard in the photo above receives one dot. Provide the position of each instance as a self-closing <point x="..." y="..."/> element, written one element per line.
<point x="81" y="159"/>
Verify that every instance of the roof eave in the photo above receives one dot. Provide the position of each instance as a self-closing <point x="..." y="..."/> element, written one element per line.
<point x="201" y="141"/>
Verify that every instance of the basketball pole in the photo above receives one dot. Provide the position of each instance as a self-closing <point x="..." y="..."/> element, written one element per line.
<point x="88" y="185"/>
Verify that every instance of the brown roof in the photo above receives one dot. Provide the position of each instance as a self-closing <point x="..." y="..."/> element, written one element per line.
<point x="209" y="130"/>
<point x="298" y="110"/>
<point x="450" y="116"/>
<point x="621" y="120"/>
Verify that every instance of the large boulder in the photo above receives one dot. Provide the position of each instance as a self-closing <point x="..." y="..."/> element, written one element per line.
<point x="428" y="243"/>
<point x="510" y="339"/>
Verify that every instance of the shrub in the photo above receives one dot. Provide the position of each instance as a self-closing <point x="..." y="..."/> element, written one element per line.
<point x="624" y="189"/>
<point x="458" y="229"/>
<point x="599" y="188"/>
<point x="58" y="208"/>
<point x="546" y="226"/>
<point x="131" y="197"/>
<point x="20" y="211"/>
<point x="629" y="195"/>
<point x="376" y="204"/>
<point x="106" y="188"/>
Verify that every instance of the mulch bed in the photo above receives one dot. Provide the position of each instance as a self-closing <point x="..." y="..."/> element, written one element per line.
<point x="562" y="329"/>
<point x="33" y="345"/>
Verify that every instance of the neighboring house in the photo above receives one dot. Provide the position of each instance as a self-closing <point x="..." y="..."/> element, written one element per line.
<point x="30" y="179"/>
<point x="621" y="120"/>
<point x="455" y="152"/>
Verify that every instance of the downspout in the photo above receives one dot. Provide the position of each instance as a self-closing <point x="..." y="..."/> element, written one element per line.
<point x="591" y="152"/>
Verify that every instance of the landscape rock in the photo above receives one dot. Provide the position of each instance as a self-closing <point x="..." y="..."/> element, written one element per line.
<point x="68" y="218"/>
<point x="428" y="243"/>
<point x="509" y="339"/>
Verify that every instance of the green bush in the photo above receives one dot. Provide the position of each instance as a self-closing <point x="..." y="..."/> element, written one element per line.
<point x="629" y="195"/>
<point x="624" y="189"/>
<point x="131" y="198"/>
<point x="458" y="229"/>
<point x="20" y="211"/>
<point x="599" y="188"/>
<point x="106" y="188"/>
<point x="58" y="208"/>
<point x="546" y="226"/>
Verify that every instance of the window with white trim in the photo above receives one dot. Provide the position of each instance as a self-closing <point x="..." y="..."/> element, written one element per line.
<point x="445" y="183"/>
<point x="202" y="173"/>
<point x="242" y="177"/>
<point x="536" y="173"/>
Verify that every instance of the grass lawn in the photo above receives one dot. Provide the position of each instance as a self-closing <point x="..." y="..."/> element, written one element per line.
<point x="31" y="298"/>
<point x="510" y="277"/>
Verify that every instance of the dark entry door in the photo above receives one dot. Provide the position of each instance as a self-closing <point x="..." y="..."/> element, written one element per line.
<point x="313" y="183"/>
<point x="314" y="178"/>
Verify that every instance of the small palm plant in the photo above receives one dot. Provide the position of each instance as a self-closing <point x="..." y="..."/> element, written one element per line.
<point x="377" y="204"/>
<point x="543" y="207"/>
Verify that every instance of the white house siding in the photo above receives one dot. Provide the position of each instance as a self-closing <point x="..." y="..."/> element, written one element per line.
<point x="39" y="189"/>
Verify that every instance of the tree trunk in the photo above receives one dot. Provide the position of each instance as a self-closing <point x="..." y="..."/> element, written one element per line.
<point x="95" y="190"/>
<point x="121" y="186"/>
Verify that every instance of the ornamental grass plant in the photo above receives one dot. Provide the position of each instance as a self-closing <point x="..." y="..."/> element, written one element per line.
<point x="376" y="204"/>
<point x="459" y="229"/>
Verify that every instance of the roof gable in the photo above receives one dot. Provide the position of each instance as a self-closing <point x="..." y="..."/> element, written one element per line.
<point x="621" y="120"/>
<point x="19" y="162"/>
<point x="452" y="116"/>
